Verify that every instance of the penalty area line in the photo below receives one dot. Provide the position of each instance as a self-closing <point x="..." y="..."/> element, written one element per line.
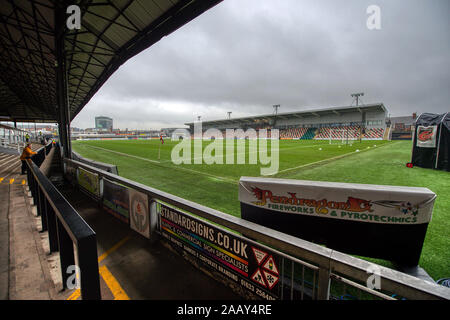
<point x="174" y="167"/>
<point x="331" y="159"/>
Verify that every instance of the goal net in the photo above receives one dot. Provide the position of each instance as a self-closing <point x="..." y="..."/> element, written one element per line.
<point x="342" y="136"/>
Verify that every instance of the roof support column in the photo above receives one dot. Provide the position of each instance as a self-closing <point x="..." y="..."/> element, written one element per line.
<point x="61" y="81"/>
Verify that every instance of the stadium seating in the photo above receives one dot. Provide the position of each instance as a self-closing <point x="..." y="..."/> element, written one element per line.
<point x="374" y="133"/>
<point x="309" y="134"/>
<point x="324" y="133"/>
<point x="337" y="133"/>
<point x="292" y="133"/>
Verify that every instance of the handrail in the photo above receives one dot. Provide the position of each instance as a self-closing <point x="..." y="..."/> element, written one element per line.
<point x="66" y="228"/>
<point x="97" y="164"/>
<point x="39" y="157"/>
<point x="329" y="261"/>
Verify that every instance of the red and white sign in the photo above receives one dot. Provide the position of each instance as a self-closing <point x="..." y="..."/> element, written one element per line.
<point x="258" y="278"/>
<point x="271" y="266"/>
<point x="426" y="136"/>
<point x="139" y="213"/>
<point x="271" y="279"/>
<point x="269" y="275"/>
<point x="259" y="255"/>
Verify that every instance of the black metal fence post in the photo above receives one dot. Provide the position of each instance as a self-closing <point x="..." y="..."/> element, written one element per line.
<point x="66" y="255"/>
<point x="88" y="263"/>
<point x="38" y="194"/>
<point x="30" y="179"/>
<point x="66" y="230"/>
<point x="52" y="227"/>
<point x="40" y="208"/>
<point x="35" y="195"/>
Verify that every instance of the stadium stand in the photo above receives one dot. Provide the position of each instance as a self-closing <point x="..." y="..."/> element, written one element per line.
<point x="309" y="134"/>
<point x="374" y="133"/>
<point x="338" y="133"/>
<point x="292" y="133"/>
<point x="318" y="124"/>
<point x="335" y="133"/>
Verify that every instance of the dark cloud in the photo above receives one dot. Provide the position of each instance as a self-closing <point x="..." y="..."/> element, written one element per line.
<point x="246" y="55"/>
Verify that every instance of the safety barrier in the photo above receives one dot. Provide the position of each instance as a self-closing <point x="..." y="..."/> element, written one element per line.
<point x="102" y="166"/>
<point x="39" y="157"/>
<point x="304" y="270"/>
<point x="66" y="231"/>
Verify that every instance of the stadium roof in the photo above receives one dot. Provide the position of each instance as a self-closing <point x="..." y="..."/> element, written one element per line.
<point x="112" y="31"/>
<point x="5" y="126"/>
<point x="298" y="114"/>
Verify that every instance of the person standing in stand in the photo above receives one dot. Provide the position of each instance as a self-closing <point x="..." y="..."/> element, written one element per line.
<point x="26" y="154"/>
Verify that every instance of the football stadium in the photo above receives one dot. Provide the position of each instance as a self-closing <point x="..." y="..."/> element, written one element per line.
<point x="339" y="144"/>
<point x="330" y="202"/>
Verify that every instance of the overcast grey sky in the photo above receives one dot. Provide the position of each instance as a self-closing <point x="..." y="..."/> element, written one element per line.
<point x="244" y="56"/>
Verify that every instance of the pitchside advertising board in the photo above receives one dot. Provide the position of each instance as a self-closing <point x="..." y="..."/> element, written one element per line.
<point x="140" y="220"/>
<point x="251" y="266"/>
<point x="384" y="222"/>
<point x="70" y="173"/>
<point x="128" y="205"/>
<point x="89" y="181"/>
<point x="116" y="200"/>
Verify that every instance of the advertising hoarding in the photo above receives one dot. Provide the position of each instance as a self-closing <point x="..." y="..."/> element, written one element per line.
<point x="116" y="200"/>
<point x="139" y="212"/>
<point x="89" y="181"/>
<point x="252" y="266"/>
<point x="385" y="222"/>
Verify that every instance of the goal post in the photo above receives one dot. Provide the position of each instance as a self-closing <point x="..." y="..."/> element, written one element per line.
<point x="338" y="134"/>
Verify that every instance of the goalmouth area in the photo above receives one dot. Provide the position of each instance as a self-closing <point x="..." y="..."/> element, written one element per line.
<point x="216" y="186"/>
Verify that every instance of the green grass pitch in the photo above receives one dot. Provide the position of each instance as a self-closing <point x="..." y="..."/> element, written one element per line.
<point x="216" y="186"/>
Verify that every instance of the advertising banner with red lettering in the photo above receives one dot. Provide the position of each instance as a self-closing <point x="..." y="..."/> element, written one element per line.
<point x="344" y="201"/>
<point x="385" y="222"/>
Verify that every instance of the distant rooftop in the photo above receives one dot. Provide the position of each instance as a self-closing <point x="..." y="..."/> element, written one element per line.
<point x="407" y="120"/>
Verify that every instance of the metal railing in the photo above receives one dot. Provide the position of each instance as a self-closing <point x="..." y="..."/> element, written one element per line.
<point x="102" y="166"/>
<point x="328" y="269"/>
<point x="68" y="233"/>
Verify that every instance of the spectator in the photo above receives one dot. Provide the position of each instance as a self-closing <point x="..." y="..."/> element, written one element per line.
<point x="26" y="154"/>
